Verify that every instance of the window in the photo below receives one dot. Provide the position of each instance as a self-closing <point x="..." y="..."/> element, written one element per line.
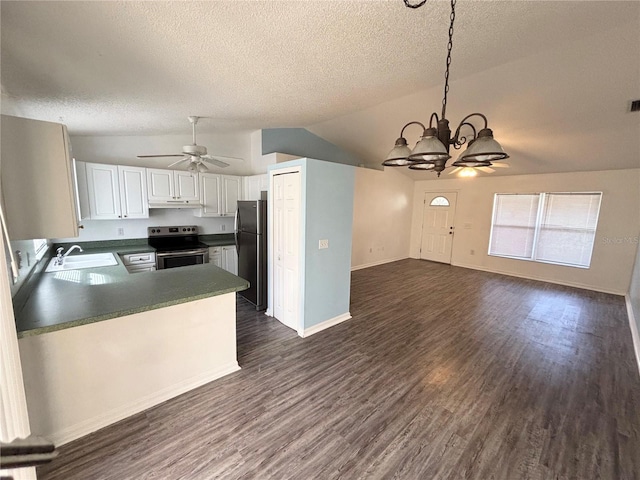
<point x="439" y="202"/>
<point x="545" y="227"/>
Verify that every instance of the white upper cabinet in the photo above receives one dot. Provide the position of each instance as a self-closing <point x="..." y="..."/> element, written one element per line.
<point x="172" y="187"/>
<point x="220" y="195"/>
<point x="133" y="192"/>
<point x="210" y="195"/>
<point x="116" y="192"/>
<point x="255" y="184"/>
<point x="104" y="191"/>
<point x="231" y="193"/>
<point x="186" y="186"/>
<point x="37" y="179"/>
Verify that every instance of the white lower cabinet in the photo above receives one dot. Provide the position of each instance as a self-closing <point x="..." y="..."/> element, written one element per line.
<point x="219" y="195"/>
<point x="230" y="259"/>
<point x="139" y="262"/>
<point x="115" y="191"/>
<point x="225" y="258"/>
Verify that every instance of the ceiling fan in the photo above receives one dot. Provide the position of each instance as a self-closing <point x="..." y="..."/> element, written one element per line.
<point x="195" y="154"/>
<point x="471" y="171"/>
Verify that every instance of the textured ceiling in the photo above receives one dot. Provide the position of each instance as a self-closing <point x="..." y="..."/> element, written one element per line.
<point x="139" y="68"/>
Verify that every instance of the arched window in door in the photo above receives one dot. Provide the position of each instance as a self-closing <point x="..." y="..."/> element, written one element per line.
<point x="439" y="202"/>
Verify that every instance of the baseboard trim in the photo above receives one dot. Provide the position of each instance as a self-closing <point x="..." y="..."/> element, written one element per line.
<point x="635" y="335"/>
<point x="108" y="418"/>
<point x="324" y="325"/>
<point x="540" y="279"/>
<point x="374" y="264"/>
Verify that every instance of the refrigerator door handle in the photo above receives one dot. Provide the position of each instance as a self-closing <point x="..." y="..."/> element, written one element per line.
<point x="235" y="229"/>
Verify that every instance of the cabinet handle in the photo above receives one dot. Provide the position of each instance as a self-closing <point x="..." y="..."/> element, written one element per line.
<point x="80" y="226"/>
<point x="125" y="216"/>
<point x="119" y="216"/>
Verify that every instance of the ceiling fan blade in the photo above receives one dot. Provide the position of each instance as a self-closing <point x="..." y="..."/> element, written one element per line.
<point x="179" y="161"/>
<point x="214" y="161"/>
<point x="455" y="170"/>
<point x="223" y="157"/>
<point x="160" y="156"/>
<point x="486" y="169"/>
<point x="500" y="165"/>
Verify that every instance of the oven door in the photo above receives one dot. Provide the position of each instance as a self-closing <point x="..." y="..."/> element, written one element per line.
<point x="181" y="258"/>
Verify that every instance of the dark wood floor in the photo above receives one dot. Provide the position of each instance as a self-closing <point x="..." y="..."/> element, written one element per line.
<point x="443" y="373"/>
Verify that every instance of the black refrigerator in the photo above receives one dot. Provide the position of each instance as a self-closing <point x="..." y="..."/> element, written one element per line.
<point x="251" y="245"/>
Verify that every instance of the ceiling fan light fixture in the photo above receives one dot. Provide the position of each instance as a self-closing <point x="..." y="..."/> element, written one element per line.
<point x="398" y="156"/>
<point x="422" y="166"/>
<point x="484" y="149"/>
<point x="433" y="147"/>
<point x="429" y="149"/>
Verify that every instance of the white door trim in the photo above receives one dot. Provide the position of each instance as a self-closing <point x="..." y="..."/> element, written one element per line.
<point x="270" y="255"/>
<point x="443" y="193"/>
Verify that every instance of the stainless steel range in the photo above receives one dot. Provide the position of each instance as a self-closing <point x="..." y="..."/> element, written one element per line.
<point x="177" y="246"/>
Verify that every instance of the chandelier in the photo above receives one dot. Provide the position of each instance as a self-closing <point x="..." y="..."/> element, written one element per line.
<point x="432" y="150"/>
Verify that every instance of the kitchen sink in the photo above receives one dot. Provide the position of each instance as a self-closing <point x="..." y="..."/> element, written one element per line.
<point x="78" y="262"/>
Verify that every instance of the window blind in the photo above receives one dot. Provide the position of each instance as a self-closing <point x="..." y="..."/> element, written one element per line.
<point x="514" y="225"/>
<point x="545" y="227"/>
<point x="568" y="228"/>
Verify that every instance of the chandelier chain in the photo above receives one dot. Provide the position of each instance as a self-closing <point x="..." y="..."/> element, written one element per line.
<point x="449" y="48"/>
<point x="414" y="5"/>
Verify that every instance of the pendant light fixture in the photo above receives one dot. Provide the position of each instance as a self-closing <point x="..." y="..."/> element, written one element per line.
<point x="432" y="150"/>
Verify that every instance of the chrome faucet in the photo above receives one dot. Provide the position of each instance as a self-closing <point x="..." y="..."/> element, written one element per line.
<point x="60" y="257"/>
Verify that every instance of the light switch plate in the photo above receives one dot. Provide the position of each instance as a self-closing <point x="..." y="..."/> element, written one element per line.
<point x="323" y="244"/>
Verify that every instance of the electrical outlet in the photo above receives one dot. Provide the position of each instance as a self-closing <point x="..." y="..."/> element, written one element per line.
<point x="472" y="252"/>
<point x="323" y="244"/>
<point x="223" y="227"/>
<point x="121" y="232"/>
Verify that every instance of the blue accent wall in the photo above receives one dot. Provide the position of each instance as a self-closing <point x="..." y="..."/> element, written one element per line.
<point x="327" y="213"/>
<point x="301" y="142"/>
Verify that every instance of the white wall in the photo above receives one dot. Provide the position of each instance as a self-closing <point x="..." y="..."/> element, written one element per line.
<point x="383" y="203"/>
<point x="613" y="257"/>
<point x="137" y="228"/>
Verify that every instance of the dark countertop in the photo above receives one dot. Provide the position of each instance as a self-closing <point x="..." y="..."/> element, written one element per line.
<point x="218" y="240"/>
<point x="70" y="298"/>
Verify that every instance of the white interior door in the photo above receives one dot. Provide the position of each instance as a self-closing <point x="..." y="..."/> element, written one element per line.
<point x="286" y="248"/>
<point x="437" y="226"/>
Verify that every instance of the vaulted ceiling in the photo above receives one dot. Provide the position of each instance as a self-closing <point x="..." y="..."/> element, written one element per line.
<point x="549" y="75"/>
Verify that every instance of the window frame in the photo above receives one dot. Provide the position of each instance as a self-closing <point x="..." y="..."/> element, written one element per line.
<point x="542" y="202"/>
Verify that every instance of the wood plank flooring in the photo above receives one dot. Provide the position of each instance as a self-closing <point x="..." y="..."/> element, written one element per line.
<point x="443" y="373"/>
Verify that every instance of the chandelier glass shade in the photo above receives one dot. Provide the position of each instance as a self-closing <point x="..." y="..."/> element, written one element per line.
<point x="432" y="150"/>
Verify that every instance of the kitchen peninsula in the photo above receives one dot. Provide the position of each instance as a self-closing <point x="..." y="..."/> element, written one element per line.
<point x="99" y="344"/>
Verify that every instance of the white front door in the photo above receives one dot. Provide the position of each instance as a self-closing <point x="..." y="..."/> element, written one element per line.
<point x="437" y="226"/>
<point x="286" y="246"/>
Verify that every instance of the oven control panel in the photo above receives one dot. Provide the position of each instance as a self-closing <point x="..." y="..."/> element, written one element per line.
<point x="167" y="231"/>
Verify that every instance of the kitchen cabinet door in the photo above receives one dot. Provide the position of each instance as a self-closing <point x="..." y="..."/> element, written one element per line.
<point x="37" y="179"/>
<point x="210" y="195"/>
<point x="133" y="192"/>
<point x="231" y="193"/>
<point x="82" y="190"/>
<point x="104" y="191"/>
<point x="160" y="184"/>
<point x="186" y="186"/>
<point x="230" y="259"/>
<point x="215" y="256"/>
<point x="253" y="185"/>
